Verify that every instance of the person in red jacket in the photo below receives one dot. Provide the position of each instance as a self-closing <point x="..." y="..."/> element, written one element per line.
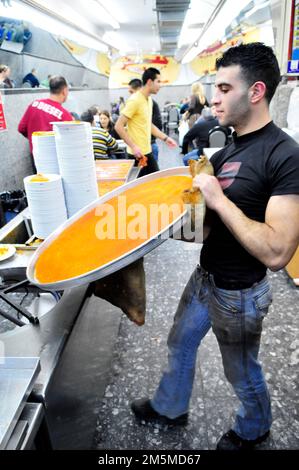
<point x="42" y="112"/>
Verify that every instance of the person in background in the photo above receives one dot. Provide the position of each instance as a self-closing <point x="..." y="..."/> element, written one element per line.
<point x="95" y="110"/>
<point x="184" y="105"/>
<point x="32" y="79"/>
<point x="45" y="83"/>
<point x="102" y="141"/>
<point x="197" y="102"/>
<point x="135" y="122"/>
<point x="134" y="85"/>
<point x="200" y="133"/>
<point x="121" y="104"/>
<point x="114" y="111"/>
<point x="106" y="123"/>
<point x="42" y="112"/>
<point x="5" y="81"/>
<point x="254" y="192"/>
<point x="157" y="121"/>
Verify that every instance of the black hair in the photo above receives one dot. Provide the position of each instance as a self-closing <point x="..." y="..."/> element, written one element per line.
<point x="94" y="110"/>
<point x="57" y="84"/>
<point x="135" y="83"/>
<point x="149" y="74"/>
<point x="87" y="116"/>
<point x="257" y="62"/>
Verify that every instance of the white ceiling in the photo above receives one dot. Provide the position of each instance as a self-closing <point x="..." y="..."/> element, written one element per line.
<point x="167" y="27"/>
<point x="141" y="26"/>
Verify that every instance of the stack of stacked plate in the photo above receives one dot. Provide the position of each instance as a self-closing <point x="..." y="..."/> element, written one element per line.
<point x="44" y="152"/>
<point x="76" y="163"/>
<point x="46" y="203"/>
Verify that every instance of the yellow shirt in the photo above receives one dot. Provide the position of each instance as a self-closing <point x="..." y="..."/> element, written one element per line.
<point x="138" y="110"/>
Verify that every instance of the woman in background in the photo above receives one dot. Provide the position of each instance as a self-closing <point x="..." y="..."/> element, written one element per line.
<point x="103" y="143"/>
<point x="5" y="81"/>
<point x="197" y="102"/>
<point x="107" y="124"/>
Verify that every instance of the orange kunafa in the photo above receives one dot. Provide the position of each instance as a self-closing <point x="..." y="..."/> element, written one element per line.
<point x="39" y="178"/>
<point x="107" y="186"/>
<point x="83" y="247"/>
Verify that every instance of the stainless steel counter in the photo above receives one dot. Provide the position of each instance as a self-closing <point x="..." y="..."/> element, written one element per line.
<point x="17" y="378"/>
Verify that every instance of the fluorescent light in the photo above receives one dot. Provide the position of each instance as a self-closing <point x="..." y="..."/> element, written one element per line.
<point x="25" y="13"/>
<point x="229" y="10"/>
<point x="104" y="14"/>
<point x="193" y="15"/>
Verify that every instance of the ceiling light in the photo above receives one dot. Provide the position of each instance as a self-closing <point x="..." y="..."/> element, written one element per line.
<point x="192" y="25"/>
<point x="47" y="23"/>
<point x="215" y="29"/>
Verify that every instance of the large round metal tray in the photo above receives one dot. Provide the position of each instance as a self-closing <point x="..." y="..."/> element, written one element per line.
<point x="123" y="260"/>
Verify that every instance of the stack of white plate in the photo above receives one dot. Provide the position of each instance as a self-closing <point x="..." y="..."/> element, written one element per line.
<point x="44" y="152"/>
<point x="76" y="163"/>
<point x="46" y="203"/>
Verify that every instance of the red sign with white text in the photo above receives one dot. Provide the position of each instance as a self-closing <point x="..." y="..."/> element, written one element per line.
<point x="2" y="117"/>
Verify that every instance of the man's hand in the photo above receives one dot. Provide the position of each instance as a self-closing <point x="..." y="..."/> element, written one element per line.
<point x="171" y="143"/>
<point x="137" y="152"/>
<point x="211" y="190"/>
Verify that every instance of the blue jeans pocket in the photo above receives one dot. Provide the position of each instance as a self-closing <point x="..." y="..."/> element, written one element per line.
<point x="228" y="302"/>
<point x="262" y="302"/>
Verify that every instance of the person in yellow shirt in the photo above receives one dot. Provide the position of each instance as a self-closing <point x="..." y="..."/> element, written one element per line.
<point x="135" y="125"/>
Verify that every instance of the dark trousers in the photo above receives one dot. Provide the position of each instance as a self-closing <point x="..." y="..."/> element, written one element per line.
<point x="151" y="167"/>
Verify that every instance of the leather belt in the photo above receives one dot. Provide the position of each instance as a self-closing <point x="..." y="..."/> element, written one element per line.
<point x="230" y="284"/>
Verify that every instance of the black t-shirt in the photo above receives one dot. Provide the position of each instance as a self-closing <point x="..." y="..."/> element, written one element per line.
<point x="251" y="169"/>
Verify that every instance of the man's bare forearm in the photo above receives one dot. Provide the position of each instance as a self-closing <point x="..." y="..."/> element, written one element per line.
<point x="157" y="133"/>
<point x="124" y="135"/>
<point x="274" y="241"/>
<point x="258" y="238"/>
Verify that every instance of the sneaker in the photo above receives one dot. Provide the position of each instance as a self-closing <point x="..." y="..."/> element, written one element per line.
<point x="231" y="441"/>
<point x="144" y="411"/>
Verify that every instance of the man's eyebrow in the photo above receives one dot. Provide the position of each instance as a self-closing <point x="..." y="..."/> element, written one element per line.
<point x="222" y="84"/>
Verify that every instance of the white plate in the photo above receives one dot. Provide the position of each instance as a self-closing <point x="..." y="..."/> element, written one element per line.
<point x="9" y="253"/>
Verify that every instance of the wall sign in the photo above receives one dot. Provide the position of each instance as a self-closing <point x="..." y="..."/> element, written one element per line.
<point x="293" y="63"/>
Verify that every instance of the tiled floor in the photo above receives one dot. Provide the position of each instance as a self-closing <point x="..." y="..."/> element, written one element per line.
<point x="140" y="355"/>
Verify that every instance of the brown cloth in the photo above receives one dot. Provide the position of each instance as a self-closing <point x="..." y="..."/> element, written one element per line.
<point x="125" y="289"/>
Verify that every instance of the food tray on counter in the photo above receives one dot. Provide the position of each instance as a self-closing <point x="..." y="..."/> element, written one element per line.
<point x="114" y="169"/>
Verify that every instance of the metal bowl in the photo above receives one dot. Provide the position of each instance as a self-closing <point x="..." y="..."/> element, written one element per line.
<point x="123" y="260"/>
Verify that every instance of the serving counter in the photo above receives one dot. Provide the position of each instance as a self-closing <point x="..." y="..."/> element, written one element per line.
<point x="73" y="343"/>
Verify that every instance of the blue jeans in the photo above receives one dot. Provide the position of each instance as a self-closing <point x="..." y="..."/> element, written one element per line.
<point x="193" y="155"/>
<point x="155" y="151"/>
<point x="236" y="318"/>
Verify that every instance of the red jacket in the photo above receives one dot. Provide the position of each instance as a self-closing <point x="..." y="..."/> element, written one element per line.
<point x="39" y="115"/>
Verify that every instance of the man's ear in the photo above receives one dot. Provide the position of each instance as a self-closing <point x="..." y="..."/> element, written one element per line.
<point x="257" y="92"/>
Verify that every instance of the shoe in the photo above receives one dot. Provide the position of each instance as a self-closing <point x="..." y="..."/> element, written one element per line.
<point x="231" y="441"/>
<point x="144" y="411"/>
